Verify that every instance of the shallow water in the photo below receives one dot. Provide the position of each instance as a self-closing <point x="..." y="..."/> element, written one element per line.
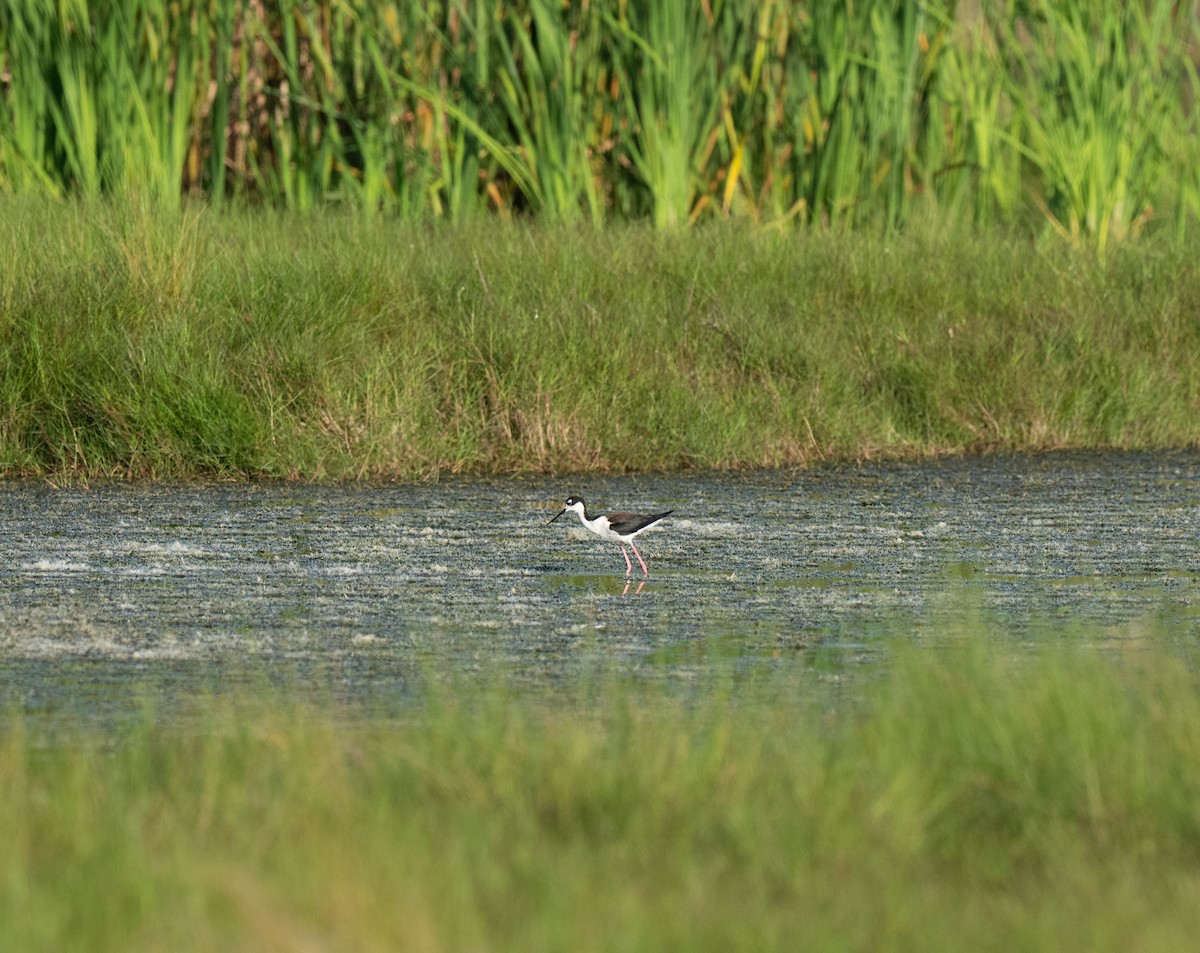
<point x="119" y="591"/>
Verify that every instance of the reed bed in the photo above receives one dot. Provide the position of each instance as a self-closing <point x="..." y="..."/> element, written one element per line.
<point x="974" y="796"/>
<point x="1076" y="118"/>
<point x="138" y="343"/>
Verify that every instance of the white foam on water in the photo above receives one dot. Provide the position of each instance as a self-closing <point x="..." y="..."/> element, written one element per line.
<point x="56" y="565"/>
<point x="158" y="570"/>
<point x="174" y="548"/>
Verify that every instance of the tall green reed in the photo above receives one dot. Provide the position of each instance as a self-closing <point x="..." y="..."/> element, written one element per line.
<point x="547" y="84"/>
<point x="1078" y="116"/>
<point x="664" y="53"/>
<point x="99" y="104"/>
<point x="1094" y="100"/>
<point x="981" y="172"/>
<point x="863" y="78"/>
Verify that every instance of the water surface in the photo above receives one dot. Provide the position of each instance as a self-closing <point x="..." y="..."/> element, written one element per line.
<point x="118" y="590"/>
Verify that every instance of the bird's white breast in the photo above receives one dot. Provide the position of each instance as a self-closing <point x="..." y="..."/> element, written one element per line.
<point x="600" y="527"/>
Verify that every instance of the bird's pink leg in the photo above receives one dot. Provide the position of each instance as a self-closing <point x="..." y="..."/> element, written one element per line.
<point x="628" y="564"/>
<point x="645" y="571"/>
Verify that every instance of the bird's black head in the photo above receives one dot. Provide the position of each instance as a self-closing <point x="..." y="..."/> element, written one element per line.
<point x="573" y="503"/>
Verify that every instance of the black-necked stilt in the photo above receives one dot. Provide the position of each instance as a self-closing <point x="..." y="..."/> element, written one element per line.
<point x="621" y="527"/>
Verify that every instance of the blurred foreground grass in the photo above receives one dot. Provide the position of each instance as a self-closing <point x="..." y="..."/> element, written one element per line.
<point x="149" y="343"/>
<point x="973" y="797"/>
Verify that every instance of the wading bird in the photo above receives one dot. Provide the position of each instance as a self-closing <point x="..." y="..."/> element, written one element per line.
<point x="620" y="527"/>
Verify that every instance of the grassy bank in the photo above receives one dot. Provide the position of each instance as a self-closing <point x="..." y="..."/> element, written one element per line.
<point x="972" y="801"/>
<point x="136" y="342"/>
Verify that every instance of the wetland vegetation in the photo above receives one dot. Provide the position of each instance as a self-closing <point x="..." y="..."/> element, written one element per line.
<point x="137" y="342"/>
<point x="978" y="795"/>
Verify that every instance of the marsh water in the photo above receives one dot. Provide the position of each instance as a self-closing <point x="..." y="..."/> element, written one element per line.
<point x="120" y="591"/>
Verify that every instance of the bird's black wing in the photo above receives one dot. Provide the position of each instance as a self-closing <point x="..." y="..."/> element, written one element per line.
<point x="632" y="522"/>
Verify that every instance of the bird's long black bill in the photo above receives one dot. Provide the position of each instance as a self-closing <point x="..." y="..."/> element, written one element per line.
<point x="560" y="514"/>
